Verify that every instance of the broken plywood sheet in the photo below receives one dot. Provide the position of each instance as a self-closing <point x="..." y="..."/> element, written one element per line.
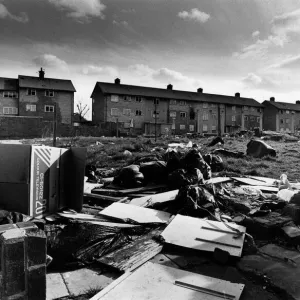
<point x="134" y="254"/>
<point x="152" y="199"/>
<point x="156" y="282"/>
<point x="217" y="180"/>
<point x="204" y="235"/>
<point x="251" y="181"/>
<point x="141" y="215"/>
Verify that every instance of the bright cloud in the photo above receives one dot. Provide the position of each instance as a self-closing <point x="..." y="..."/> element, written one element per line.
<point x="164" y="75"/>
<point x="97" y="70"/>
<point x="194" y="15"/>
<point x="255" y="81"/>
<point x="4" y="13"/>
<point x="282" y="26"/>
<point x="255" y="34"/>
<point x="50" y="61"/>
<point x="288" y="63"/>
<point x="82" y="10"/>
<point x="122" y="23"/>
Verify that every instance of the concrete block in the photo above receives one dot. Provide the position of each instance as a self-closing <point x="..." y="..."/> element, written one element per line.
<point x="22" y="262"/>
<point x="56" y="287"/>
<point x="292" y="233"/>
<point x="293" y="211"/>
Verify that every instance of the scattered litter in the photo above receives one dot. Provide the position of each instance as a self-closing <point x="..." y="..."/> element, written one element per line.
<point x="258" y="148"/>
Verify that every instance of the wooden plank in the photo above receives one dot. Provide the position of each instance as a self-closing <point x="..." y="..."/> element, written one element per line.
<point x="143" y="189"/>
<point x="134" y="254"/>
<point x="187" y="232"/>
<point x="217" y="180"/>
<point x="250" y="181"/>
<point x="158" y="198"/>
<point x="269" y="181"/>
<point x="264" y="188"/>
<point x="104" y="197"/>
<point x="155" y="282"/>
<point x="141" y="215"/>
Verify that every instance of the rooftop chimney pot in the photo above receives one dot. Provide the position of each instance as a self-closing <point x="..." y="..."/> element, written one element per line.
<point x="272" y="99"/>
<point x="117" y="81"/>
<point x="169" y="87"/>
<point x="41" y="74"/>
<point x="237" y="95"/>
<point x="298" y="102"/>
<point x="200" y="90"/>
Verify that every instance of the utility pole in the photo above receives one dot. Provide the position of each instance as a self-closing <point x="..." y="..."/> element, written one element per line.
<point x="54" y="124"/>
<point x="117" y="125"/>
<point x="155" y="107"/>
<point x="219" y="120"/>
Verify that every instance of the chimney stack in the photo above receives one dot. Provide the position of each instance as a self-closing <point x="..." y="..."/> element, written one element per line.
<point x="41" y="74"/>
<point x="298" y="102"/>
<point x="117" y="81"/>
<point x="200" y="90"/>
<point x="272" y="99"/>
<point x="237" y="95"/>
<point x="169" y="87"/>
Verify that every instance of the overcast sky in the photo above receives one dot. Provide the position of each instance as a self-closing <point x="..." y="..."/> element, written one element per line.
<point x="223" y="46"/>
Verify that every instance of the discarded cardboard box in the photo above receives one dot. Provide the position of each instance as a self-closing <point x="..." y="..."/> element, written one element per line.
<point x="38" y="180"/>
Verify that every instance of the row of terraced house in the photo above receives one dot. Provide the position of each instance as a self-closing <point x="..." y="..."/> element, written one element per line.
<point x="142" y="110"/>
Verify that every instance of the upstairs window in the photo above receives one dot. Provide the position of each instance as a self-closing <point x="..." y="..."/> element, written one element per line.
<point x="31" y="92"/>
<point x="205" y="105"/>
<point x="114" y="98"/>
<point x="49" y="108"/>
<point x="49" y="93"/>
<point x="205" y="116"/>
<point x="182" y="114"/>
<point x="233" y="118"/>
<point x="10" y="111"/>
<point x="156" y="101"/>
<point x="172" y="102"/>
<point x="287" y="112"/>
<point x="9" y="94"/>
<point x="172" y="114"/>
<point x="182" y="102"/>
<point x="114" y="111"/>
<point x="30" y="107"/>
<point x="138" y="112"/>
<point x="138" y="99"/>
<point x="155" y="114"/>
<point x="126" y="111"/>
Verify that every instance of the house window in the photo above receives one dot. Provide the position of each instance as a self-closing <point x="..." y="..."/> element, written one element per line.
<point x="287" y="112"/>
<point x="287" y="121"/>
<point x="246" y="118"/>
<point x="182" y="127"/>
<point x="156" y="101"/>
<point x="214" y="116"/>
<point x="258" y="119"/>
<point x="182" y="114"/>
<point x="49" y="108"/>
<point x="138" y="99"/>
<point x="114" y="111"/>
<point x="155" y="114"/>
<point x="114" y="98"/>
<point x="172" y="114"/>
<point x="233" y="108"/>
<point x="213" y="105"/>
<point x="204" y="128"/>
<point x="126" y="111"/>
<point x="233" y="118"/>
<point x="182" y="102"/>
<point x="138" y="112"/>
<point x="10" y="111"/>
<point x="127" y="98"/>
<point x="49" y="93"/>
<point x="172" y="102"/>
<point x="205" y="105"/>
<point x="31" y="92"/>
<point x="281" y="121"/>
<point x="8" y="94"/>
<point x="259" y="110"/>
<point x="213" y="128"/>
<point x="30" y="107"/>
<point x="192" y="127"/>
<point x="205" y="116"/>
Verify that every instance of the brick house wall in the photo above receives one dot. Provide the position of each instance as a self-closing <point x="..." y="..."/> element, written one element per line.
<point x="64" y="100"/>
<point x="7" y="102"/>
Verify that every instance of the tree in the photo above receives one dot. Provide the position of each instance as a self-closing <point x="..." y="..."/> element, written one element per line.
<point x="82" y="110"/>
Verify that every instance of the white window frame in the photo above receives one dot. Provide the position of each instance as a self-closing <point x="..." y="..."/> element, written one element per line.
<point x="156" y="101"/>
<point x="138" y="99"/>
<point x="205" y="116"/>
<point x="183" y="114"/>
<point x="213" y="105"/>
<point x="172" y="114"/>
<point x="205" y="105"/>
<point x="10" y="111"/>
<point x="49" y="108"/>
<point x="126" y="111"/>
<point x="30" y="107"/>
<point x="173" y="102"/>
<point x="114" y="98"/>
<point x="155" y="113"/>
<point x="182" y="102"/>
<point x="49" y="93"/>
<point x="233" y="119"/>
<point x="287" y="112"/>
<point x="213" y="128"/>
<point x="114" y="112"/>
<point x="205" y="128"/>
<point x="182" y="126"/>
<point x="192" y="127"/>
<point x="138" y="112"/>
<point x="31" y="92"/>
<point x="10" y="94"/>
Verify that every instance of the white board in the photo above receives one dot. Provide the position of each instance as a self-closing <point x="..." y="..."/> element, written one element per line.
<point x="138" y="214"/>
<point x="217" y="180"/>
<point x="157" y="282"/>
<point x="204" y="235"/>
<point x="263" y="188"/>
<point x="251" y="181"/>
<point x="157" y="198"/>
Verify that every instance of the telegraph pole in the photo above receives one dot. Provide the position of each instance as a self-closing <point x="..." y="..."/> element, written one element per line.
<point x="155" y="107"/>
<point x="219" y="120"/>
<point x="54" y="124"/>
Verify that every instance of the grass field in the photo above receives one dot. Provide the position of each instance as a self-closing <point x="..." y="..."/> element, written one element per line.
<point x="110" y="153"/>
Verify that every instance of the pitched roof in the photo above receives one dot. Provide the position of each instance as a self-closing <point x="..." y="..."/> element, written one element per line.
<point x="283" y="105"/>
<point x="123" y="89"/>
<point x="8" y="84"/>
<point x="46" y="83"/>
